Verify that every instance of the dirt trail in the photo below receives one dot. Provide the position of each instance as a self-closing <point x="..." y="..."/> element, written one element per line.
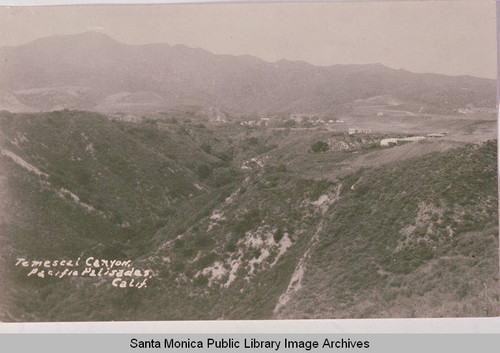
<point x="43" y="178"/>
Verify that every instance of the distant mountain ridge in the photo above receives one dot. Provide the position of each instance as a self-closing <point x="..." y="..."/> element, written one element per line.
<point x="92" y="71"/>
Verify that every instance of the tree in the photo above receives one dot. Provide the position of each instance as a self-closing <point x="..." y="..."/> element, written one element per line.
<point x="320" y="146"/>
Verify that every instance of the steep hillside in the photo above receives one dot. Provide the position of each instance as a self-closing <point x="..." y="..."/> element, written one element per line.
<point x="111" y="166"/>
<point x="414" y="239"/>
<point x="92" y="71"/>
<point x="235" y="223"/>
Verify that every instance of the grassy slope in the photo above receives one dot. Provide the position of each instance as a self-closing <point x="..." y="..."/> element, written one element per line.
<point x="273" y="200"/>
<point x="42" y="225"/>
<point x="416" y="238"/>
<point x="122" y="171"/>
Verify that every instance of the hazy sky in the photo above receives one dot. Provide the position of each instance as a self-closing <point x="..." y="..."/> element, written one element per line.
<point x="456" y="37"/>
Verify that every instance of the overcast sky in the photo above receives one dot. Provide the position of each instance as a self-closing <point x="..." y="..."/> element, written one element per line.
<point x="457" y="37"/>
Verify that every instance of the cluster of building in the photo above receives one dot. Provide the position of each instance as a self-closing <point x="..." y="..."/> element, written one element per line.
<point x="129" y="118"/>
<point x="355" y="130"/>
<point x="294" y="119"/>
<point x="259" y="122"/>
<point x="470" y="109"/>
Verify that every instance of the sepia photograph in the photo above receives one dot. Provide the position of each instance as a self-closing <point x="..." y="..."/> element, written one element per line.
<point x="249" y="161"/>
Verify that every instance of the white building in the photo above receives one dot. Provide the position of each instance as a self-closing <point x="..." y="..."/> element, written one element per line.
<point x="264" y="122"/>
<point x="395" y="141"/>
<point x="388" y="142"/>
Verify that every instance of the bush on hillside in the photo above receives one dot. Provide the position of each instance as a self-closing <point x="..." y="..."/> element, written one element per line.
<point x="319" y="146"/>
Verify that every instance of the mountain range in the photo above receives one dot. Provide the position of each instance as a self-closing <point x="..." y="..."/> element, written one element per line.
<point x="91" y="71"/>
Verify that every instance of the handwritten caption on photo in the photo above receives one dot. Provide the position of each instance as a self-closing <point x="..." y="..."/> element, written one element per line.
<point x="121" y="273"/>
